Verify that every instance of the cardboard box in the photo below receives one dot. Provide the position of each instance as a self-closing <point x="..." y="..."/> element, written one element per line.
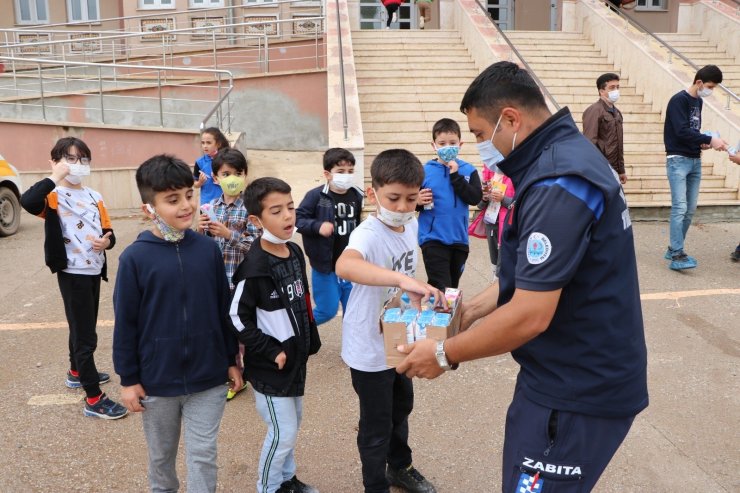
<point x="394" y="333"/>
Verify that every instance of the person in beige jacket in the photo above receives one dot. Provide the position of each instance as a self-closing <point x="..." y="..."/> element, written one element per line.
<point x="602" y="123"/>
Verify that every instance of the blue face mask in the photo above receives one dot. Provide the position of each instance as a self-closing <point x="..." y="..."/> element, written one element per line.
<point x="447" y="153"/>
<point x="488" y="152"/>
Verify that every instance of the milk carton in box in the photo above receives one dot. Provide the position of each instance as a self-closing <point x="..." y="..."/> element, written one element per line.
<point x="398" y="329"/>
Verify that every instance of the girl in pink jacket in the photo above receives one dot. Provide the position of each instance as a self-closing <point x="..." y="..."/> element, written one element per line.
<point x="495" y="204"/>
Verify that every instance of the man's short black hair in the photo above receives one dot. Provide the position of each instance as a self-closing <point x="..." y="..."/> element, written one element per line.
<point x="221" y="141"/>
<point x="336" y="155"/>
<point x="500" y="85"/>
<point x="396" y="166"/>
<point x="709" y="73"/>
<point x="231" y="157"/>
<point x="161" y="173"/>
<point x="63" y="146"/>
<point x="446" y="125"/>
<point x="604" y="79"/>
<point x="261" y="188"/>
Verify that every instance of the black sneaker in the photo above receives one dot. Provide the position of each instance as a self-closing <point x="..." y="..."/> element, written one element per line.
<point x="735" y="256"/>
<point x="294" y="485"/>
<point x="105" y="409"/>
<point x="409" y="479"/>
<point x="73" y="382"/>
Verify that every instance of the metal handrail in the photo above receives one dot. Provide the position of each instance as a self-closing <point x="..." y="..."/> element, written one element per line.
<point x="100" y="66"/>
<point x="163" y="33"/>
<point x="345" y="122"/>
<point x="520" y="57"/>
<point x="672" y="51"/>
<point x="161" y="12"/>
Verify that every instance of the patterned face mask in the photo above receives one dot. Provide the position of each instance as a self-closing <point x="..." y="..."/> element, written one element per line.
<point x="168" y="232"/>
<point x="447" y="153"/>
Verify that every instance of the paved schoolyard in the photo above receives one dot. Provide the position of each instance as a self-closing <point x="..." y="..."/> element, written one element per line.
<point x="687" y="440"/>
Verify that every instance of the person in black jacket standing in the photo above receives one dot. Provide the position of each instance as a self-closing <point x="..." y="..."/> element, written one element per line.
<point x="326" y="217"/>
<point x="271" y="313"/>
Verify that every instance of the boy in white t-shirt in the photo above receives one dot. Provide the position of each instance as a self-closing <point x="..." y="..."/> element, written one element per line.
<point x="380" y="258"/>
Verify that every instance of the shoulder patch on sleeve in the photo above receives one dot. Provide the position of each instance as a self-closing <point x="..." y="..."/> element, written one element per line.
<point x="539" y="248"/>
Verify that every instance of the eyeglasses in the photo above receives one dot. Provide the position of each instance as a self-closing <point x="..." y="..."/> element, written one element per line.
<point x="72" y="159"/>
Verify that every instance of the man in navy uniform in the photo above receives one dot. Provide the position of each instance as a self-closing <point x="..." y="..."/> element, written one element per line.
<point x="567" y="305"/>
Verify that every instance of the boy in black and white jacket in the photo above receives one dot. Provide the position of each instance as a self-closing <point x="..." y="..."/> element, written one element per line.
<point x="271" y="313"/>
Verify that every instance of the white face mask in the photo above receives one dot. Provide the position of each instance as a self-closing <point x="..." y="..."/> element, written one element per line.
<point x="613" y="95"/>
<point x="343" y="181"/>
<point x="489" y="154"/>
<point x="394" y="219"/>
<point x="78" y="169"/>
<point x="274" y="239"/>
<point x="74" y="180"/>
<point x="704" y="92"/>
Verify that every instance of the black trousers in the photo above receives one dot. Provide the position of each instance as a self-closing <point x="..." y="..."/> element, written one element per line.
<point x="444" y="264"/>
<point x="81" y="296"/>
<point x="566" y="451"/>
<point x="386" y="400"/>
<point x="390" y="8"/>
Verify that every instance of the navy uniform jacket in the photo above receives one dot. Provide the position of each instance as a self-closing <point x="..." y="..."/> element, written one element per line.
<point x="569" y="228"/>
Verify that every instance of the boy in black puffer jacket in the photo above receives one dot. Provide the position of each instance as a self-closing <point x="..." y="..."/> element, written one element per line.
<point x="271" y="313"/>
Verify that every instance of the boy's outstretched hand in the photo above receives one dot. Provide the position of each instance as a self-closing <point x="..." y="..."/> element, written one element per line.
<point x="236" y="381"/>
<point x="419" y="292"/>
<point x="131" y="397"/>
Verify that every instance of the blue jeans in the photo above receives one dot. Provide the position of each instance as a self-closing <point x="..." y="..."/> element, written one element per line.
<point x="684" y="177"/>
<point x="277" y="460"/>
<point x="328" y="291"/>
<point x="200" y="415"/>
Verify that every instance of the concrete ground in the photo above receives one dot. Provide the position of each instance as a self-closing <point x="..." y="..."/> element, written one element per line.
<point x="687" y="440"/>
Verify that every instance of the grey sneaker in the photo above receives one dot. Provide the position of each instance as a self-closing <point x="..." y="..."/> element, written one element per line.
<point x="105" y="409"/>
<point x="409" y="479"/>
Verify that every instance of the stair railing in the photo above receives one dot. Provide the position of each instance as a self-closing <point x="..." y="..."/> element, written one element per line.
<point x="671" y="50"/>
<point x="158" y="13"/>
<point x="520" y="57"/>
<point x="218" y="74"/>
<point x="211" y="35"/>
<point x="345" y="123"/>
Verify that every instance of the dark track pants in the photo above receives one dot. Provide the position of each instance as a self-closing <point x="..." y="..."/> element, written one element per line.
<point x="81" y="296"/>
<point x="569" y="451"/>
<point x="444" y="264"/>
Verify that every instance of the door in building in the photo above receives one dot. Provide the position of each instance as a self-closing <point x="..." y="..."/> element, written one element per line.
<point x="502" y="12"/>
<point x="373" y="15"/>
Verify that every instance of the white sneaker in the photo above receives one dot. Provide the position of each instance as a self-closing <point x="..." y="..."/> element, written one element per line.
<point x="421" y="23"/>
<point x="395" y="17"/>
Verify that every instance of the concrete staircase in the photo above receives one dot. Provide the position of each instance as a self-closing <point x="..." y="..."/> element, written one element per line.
<point x="406" y="83"/>
<point x="702" y="52"/>
<point x="568" y="64"/>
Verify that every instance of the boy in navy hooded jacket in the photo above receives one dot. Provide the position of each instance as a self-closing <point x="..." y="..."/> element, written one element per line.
<point x="172" y="344"/>
<point x="450" y="186"/>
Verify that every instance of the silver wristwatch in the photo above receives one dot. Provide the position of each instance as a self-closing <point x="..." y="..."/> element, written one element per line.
<point x="442" y="357"/>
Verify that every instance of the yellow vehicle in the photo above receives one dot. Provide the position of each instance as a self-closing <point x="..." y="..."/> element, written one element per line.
<point x="10" y="195"/>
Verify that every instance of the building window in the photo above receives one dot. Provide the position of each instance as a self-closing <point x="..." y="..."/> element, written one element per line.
<point x="156" y="4"/>
<point x="253" y="2"/>
<point x="83" y="10"/>
<point x="31" y="11"/>
<point x="651" y="5"/>
<point x="200" y="4"/>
